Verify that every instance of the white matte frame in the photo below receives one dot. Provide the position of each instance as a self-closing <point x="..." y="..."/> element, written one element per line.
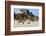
<point x="26" y="28"/>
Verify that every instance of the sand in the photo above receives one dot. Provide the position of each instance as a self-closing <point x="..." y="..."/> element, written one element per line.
<point x="26" y="24"/>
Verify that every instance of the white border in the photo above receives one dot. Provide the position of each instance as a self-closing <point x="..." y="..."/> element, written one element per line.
<point x="26" y="28"/>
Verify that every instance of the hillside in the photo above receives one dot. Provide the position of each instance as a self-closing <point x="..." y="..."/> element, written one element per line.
<point x="22" y="17"/>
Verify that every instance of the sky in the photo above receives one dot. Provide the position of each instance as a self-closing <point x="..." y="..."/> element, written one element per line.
<point x="34" y="11"/>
